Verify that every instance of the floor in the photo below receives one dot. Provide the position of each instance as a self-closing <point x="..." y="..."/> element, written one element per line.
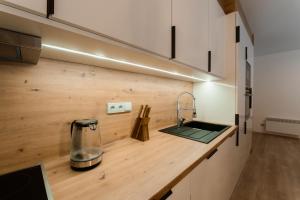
<point x="272" y="171"/>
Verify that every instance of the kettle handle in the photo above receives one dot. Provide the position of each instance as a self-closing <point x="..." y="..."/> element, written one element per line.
<point x="72" y="124"/>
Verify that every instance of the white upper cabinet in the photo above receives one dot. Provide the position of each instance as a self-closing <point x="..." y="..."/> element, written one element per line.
<point x="34" y="6"/>
<point x="217" y="37"/>
<point x="216" y="177"/>
<point x="185" y="31"/>
<point x="141" y="23"/>
<point x="190" y="17"/>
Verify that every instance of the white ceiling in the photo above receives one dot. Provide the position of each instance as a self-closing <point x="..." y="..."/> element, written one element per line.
<point x="275" y="23"/>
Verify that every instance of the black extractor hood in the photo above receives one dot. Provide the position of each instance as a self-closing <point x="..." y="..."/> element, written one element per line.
<point x="19" y="47"/>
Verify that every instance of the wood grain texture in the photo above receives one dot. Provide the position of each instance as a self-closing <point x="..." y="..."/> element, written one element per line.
<point x="132" y="170"/>
<point x="228" y="6"/>
<point x="272" y="171"/>
<point x="38" y="104"/>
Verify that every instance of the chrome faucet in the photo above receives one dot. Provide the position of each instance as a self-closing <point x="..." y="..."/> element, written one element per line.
<point x="180" y="119"/>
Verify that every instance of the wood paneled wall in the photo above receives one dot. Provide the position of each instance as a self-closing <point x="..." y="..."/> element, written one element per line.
<point x="39" y="102"/>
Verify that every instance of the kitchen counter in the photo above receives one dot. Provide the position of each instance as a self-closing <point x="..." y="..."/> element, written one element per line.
<point x="132" y="170"/>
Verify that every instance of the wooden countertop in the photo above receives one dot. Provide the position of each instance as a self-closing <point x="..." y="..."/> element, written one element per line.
<point x="132" y="170"/>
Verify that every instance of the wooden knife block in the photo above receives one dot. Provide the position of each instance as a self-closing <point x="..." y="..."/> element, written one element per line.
<point x="141" y="129"/>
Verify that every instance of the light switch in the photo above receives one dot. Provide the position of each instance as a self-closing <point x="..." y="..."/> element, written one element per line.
<point x="120" y="107"/>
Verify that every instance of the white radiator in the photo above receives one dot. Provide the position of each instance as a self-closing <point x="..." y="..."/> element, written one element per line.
<point x="283" y="126"/>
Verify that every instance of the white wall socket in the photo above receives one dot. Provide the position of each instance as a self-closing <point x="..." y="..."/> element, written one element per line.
<point x="120" y="107"/>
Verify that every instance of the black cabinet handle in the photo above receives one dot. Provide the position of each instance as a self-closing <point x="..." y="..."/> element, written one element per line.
<point x="250" y="98"/>
<point x="173" y="47"/>
<point x="237" y="34"/>
<point x="237" y="143"/>
<point x="50" y="8"/>
<point x="237" y="123"/>
<point x="169" y="193"/>
<point x="211" y="154"/>
<point x="209" y="61"/>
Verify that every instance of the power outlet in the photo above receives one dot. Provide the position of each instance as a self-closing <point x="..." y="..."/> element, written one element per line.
<point x="120" y="107"/>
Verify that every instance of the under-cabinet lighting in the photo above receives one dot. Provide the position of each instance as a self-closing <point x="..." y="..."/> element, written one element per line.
<point x="101" y="57"/>
<point x="221" y="84"/>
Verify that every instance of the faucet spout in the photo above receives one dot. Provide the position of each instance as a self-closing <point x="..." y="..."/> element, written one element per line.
<point x="180" y="119"/>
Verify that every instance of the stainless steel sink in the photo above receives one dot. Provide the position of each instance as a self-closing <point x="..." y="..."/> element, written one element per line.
<point x="198" y="131"/>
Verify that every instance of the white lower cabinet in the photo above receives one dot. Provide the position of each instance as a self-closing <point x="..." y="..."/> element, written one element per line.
<point x="244" y="148"/>
<point x="181" y="191"/>
<point x="211" y="179"/>
<point x="215" y="177"/>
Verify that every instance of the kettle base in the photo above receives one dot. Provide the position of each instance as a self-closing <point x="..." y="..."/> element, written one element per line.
<point x="85" y="165"/>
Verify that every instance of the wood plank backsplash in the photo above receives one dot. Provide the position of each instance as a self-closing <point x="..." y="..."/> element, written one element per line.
<point x="39" y="102"/>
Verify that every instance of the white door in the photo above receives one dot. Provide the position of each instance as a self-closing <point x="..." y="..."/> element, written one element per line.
<point x="141" y="23"/>
<point x="190" y="17"/>
<point x="217" y="38"/>
<point x="38" y="7"/>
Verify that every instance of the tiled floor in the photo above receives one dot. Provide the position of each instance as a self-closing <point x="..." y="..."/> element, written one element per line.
<point x="272" y="171"/>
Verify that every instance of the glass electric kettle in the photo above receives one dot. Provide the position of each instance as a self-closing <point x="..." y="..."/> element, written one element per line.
<point x="86" y="140"/>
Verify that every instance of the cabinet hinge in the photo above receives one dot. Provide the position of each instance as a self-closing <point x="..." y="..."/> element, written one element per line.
<point x="237" y="34"/>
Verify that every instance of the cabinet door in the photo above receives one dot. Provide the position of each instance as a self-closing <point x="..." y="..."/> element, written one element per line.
<point x="215" y="178"/>
<point x="141" y="23"/>
<point x="217" y="38"/>
<point x="230" y="160"/>
<point x="206" y="180"/>
<point x="34" y="6"/>
<point x="190" y="17"/>
<point x="201" y="181"/>
<point x="181" y="191"/>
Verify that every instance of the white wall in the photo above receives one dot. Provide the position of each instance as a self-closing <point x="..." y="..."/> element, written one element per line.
<point x="215" y="102"/>
<point x="276" y="87"/>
